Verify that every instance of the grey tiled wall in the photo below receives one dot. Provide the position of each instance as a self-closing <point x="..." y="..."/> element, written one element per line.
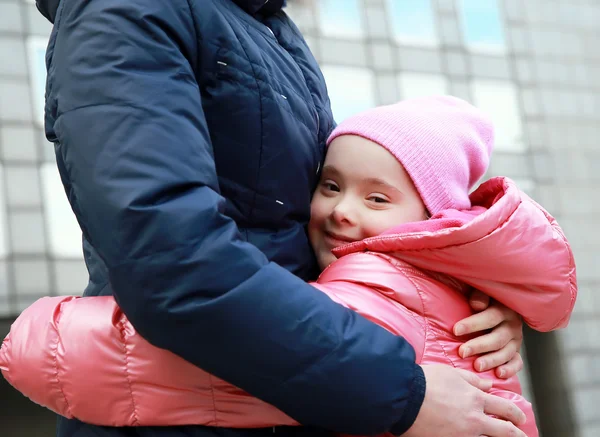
<point x="29" y="265"/>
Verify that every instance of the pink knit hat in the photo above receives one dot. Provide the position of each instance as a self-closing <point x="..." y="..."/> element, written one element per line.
<point x="443" y="142"/>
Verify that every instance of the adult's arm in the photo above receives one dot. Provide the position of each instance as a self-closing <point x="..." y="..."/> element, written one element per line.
<point x="139" y="172"/>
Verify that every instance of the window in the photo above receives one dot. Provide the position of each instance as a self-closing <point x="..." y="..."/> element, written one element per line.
<point x="482" y="25"/>
<point x="3" y="221"/>
<point x="421" y="85"/>
<point x="351" y="90"/>
<point x="37" y="75"/>
<point x="340" y="18"/>
<point x="412" y="21"/>
<point x="499" y="99"/>
<point x="64" y="234"/>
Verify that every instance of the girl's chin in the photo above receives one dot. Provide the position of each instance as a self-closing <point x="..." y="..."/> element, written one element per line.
<point x="326" y="259"/>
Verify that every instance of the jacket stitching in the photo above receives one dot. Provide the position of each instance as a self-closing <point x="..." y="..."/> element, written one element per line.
<point x="272" y="81"/>
<point x="572" y="267"/>
<point x="448" y="357"/>
<point x="425" y="316"/>
<point x="571" y="278"/>
<point x="258" y="80"/>
<point x="404" y="272"/>
<point x="258" y="66"/>
<point x="262" y="132"/>
<point x="127" y="373"/>
<point x="59" y="12"/>
<point x="192" y="6"/>
<point x="260" y="101"/>
<point x="56" y="368"/>
<point x="212" y="392"/>
<point x="419" y="319"/>
<point x="313" y="91"/>
<point x="433" y="332"/>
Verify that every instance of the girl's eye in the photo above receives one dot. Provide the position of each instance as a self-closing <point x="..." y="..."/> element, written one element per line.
<point x="330" y="186"/>
<point x="378" y="199"/>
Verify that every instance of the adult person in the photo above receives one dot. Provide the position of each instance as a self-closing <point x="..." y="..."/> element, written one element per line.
<point x="189" y="136"/>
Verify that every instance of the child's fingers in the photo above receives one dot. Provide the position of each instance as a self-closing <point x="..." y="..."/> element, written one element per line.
<point x="497" y="358"/>
<point x="483" y="321"/>
<point x="511" y="368"/>
<point x="494" y="341"/>
<point x="479" y="300"/>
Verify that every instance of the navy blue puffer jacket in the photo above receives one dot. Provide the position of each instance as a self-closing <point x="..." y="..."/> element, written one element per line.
<point x="188" y="136"/>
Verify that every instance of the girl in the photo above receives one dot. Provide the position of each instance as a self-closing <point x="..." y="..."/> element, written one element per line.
<point x="400" y="241"/>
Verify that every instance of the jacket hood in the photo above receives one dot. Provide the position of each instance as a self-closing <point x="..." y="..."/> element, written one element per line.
<point x="48" y="7"/>
<point x="506" y="245"/>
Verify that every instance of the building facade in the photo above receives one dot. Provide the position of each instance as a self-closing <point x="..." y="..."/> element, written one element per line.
<point x="533" y="65"/>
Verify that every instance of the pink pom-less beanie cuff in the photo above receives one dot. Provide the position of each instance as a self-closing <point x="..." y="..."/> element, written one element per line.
<point x="443" y="142"/>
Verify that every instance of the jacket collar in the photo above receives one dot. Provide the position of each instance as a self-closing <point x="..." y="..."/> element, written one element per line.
<point x="266" y="7"/>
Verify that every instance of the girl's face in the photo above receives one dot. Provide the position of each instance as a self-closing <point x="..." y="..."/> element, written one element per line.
<point x="363" y="192"/>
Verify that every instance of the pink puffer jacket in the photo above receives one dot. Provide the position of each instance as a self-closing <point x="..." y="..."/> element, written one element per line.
<point x="82" y="358"/>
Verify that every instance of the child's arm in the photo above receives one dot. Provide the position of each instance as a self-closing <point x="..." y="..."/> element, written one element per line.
<point x="544" y="290"/>
<point x="76" y="356"/>
<point x="82" y="358"/>
<point x="70" y="355"/>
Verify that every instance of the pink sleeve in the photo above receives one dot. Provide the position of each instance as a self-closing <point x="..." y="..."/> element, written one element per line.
<point x="28" y="355"/>
<point x="82" y="358"/>
<point x="73" y="356"/>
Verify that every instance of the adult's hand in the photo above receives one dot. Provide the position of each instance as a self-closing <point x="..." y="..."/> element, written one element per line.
<point x="456" y="403"/>
<point x="499" y="348"/>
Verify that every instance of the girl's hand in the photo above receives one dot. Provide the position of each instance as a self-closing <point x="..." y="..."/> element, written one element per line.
<point x="499" y="348"/>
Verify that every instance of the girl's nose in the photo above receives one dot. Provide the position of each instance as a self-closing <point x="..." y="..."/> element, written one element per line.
<point x="342" y="213"/>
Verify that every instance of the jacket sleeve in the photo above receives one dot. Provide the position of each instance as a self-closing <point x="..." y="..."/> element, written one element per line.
<point x="81" y="358"/>
<point x="137" y="166"/>
<point x="534" y="271"/>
